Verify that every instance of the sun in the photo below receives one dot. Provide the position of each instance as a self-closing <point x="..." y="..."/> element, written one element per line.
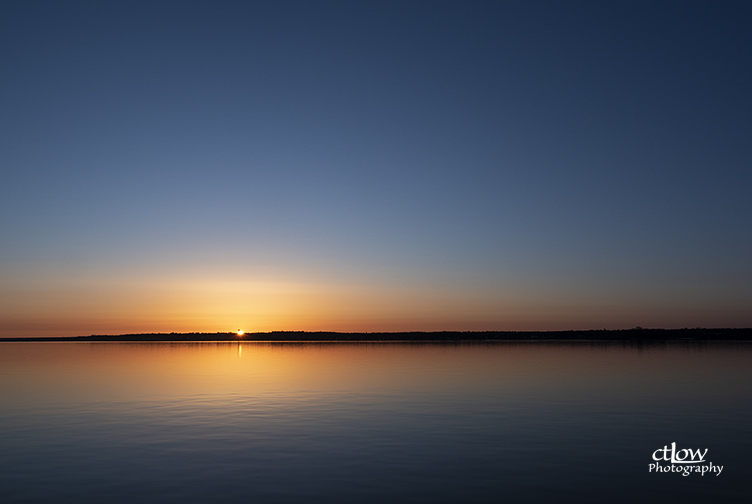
<point x="240" y="333"/>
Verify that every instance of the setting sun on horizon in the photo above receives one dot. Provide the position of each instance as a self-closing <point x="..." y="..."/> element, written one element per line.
<point x="80" y="305"/>
<point x="347" y="251"/>
<point x="372" y="167"/>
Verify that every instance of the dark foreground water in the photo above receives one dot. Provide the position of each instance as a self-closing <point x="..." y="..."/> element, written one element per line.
<point x="254" y="422"/>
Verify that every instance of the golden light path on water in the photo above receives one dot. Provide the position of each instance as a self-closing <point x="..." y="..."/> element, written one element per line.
<point x="464" y="422"/>
<point x="129" y="370"/>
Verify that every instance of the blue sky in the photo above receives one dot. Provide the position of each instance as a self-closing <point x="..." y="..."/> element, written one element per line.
<point x="438" y="165"/>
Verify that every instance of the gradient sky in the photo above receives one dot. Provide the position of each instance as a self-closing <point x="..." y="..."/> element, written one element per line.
<point x="368" y="166"/>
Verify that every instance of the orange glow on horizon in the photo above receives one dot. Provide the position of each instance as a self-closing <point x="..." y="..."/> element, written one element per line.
<point x="83" y="304"/>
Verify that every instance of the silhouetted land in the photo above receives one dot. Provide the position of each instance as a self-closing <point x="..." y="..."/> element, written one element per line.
<point x="636" y="334"/>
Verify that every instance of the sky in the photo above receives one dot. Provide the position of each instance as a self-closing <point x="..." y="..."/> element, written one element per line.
<point x="374" y="166"/>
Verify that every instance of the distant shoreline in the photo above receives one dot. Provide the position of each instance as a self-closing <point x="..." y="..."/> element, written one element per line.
<point x="636" y="334"/>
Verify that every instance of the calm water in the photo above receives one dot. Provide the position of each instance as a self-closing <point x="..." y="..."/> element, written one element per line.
<point x="254" y="422"/>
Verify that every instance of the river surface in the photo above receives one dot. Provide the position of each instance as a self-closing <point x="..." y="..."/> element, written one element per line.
<point x="373" y="422"/>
